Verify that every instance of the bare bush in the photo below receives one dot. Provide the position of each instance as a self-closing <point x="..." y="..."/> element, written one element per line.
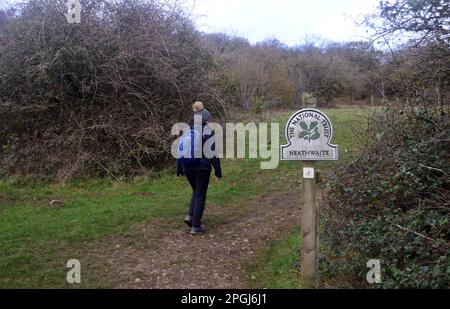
<point x="280" y="74"/>
<point x="97" y="97"/>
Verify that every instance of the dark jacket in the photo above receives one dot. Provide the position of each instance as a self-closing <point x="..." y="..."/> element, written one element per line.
<point x="204" y="164"/>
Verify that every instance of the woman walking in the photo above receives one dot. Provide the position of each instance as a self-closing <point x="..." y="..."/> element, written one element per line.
<point x="197" y="172"/>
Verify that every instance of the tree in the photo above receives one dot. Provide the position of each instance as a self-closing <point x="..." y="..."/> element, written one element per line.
<point x="420" y="67"/>
<point x="427" y="20"/>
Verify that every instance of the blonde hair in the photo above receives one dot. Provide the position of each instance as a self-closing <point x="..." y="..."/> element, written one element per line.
<point x="197" y="106"/>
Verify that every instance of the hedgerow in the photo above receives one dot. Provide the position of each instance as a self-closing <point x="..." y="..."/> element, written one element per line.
<point x="392" y="203"/>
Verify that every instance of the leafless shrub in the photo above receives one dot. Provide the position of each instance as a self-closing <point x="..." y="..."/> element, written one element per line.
<point x="99" y="97"/>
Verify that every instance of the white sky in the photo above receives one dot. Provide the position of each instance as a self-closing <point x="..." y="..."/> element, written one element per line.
<point x="288" y="20"/>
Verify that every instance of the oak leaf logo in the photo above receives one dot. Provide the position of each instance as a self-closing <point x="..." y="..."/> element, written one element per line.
<point x="311" y="132"/>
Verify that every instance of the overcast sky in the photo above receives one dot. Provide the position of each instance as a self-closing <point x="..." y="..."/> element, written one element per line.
<point x="288" y="20"/>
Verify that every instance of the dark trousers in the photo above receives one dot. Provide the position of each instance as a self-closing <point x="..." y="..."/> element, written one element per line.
<point x="199" y="180"/>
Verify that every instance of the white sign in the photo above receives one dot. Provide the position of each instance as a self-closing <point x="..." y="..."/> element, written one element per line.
<point x="308" y="172"/>
<point x="309" y="133"/>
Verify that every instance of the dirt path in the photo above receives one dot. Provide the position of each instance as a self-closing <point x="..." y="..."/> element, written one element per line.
<point x="214" y="260"/>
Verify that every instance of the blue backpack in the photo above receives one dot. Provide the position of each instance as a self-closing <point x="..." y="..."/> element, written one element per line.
<point x="190" y="145"/>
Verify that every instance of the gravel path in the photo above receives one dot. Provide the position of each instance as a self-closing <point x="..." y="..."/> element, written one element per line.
<point x="216" y="259"/>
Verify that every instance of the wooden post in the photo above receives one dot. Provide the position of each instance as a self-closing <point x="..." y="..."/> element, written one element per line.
<point x="309" y="241"/>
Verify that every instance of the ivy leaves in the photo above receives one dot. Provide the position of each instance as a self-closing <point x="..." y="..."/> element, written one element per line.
<point x="310" y="133"/>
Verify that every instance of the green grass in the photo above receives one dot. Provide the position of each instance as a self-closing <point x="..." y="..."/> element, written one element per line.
<point x="36" y="240"/>
<point x="279" y="267"/>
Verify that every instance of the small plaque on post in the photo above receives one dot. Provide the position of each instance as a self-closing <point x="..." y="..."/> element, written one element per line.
<point x="308" y="173"/>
